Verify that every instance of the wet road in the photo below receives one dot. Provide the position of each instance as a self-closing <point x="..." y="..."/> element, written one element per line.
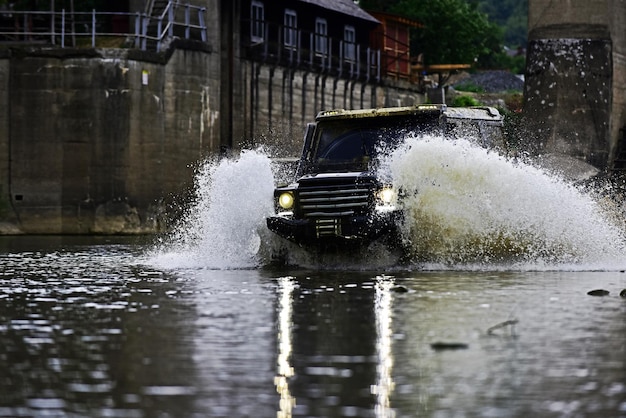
<point x="91" y="328"/>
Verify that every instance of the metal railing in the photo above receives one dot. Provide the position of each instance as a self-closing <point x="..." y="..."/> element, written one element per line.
<point x="303" y="49"/>
<point x="137" y="29"/>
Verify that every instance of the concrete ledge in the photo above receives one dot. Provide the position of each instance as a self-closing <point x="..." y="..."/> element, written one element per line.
<point x="164" y="56"/>
<point x="570" y="31"/>
<point x="7" y="228"/>
<point x="135" y="54"/>
<point x="54" y="52"/>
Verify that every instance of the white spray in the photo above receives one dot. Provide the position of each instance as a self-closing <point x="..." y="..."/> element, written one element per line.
<point x="226" y="222"/>
<point x="465" y="207"/>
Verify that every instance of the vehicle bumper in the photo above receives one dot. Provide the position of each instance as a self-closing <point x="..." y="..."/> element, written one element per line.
<point x="316" y="232"/>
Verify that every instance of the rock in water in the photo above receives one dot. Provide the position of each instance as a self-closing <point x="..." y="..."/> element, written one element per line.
<point x="439" y="346"/>
<point x="598" y="292"/>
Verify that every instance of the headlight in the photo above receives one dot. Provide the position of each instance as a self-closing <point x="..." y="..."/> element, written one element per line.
<point x="285" y="200"/>
<point x="387" y="195"/>
<point x="386" y="199"/>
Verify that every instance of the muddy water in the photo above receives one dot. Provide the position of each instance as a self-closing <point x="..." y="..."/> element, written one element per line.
<point x="93" y="328"/>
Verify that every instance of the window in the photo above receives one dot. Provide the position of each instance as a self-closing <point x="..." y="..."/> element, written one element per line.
<point x="349" y="46"/>
<point x="257" y="21"/>
<point x="290" y="30"/>
<point x="321" y="36"/>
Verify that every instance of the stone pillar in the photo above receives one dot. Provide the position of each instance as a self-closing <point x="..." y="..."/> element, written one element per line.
<point x="8" y="221"/>
<point x="570" y="85"/>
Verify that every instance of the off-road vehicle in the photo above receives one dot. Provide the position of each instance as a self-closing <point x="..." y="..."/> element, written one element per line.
<point x="338" y="196"/>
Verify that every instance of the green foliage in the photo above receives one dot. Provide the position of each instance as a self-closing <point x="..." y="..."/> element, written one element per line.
<point x="463" y="31"/>
<point x="465" y="101"/>
<point x="511" y="15"/>
<point x="516" y="64"/>
<point x="376" y="5"/>
<point x="455" y="32"/>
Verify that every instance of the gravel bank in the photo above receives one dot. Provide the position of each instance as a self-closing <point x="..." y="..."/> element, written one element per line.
<point x="492" y="81"/>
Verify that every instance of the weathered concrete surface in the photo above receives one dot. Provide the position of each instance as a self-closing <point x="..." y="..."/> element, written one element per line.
<point x="280" y="102"/>
<point x="576" y="76"/>
<point x="568" y="91"/>
<point x="104" y="141"/>
<point x="99" y="141"/>
<point x="6" y="212"/>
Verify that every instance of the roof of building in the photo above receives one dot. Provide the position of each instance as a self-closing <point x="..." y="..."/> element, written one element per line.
<point x="381" y="16"/>
<point x="346" y="7"/>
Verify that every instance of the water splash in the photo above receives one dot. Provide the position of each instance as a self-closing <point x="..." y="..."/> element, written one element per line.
<point x="467" y="206"/>
<point x="225" y="224"/>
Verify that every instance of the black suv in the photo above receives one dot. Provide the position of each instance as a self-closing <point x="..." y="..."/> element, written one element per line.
<point x="337" y="197"/>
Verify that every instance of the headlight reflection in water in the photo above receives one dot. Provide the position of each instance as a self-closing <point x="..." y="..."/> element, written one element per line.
<point x="384" y="385"/>
<point x="285" y="371"/>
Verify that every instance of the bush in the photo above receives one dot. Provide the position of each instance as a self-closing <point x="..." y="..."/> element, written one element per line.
<point x="464" y="101"/>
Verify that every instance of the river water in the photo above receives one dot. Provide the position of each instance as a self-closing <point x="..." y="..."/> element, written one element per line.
<point x="202" y="324"/>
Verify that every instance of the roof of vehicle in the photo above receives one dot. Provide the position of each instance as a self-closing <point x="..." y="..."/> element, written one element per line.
<point x="474" y="113"/>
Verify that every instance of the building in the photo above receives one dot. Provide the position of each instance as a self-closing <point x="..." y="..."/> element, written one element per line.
<point x="392" y="38"/>
<point x="100" y="130"/>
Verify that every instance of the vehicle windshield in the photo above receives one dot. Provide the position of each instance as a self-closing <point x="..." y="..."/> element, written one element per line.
<point x="355" y="144"/>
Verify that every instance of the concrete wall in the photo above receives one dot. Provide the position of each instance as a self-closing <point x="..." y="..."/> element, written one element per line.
<point x="99" y="140"/>
<point x="574" y="91"/>
<point x="6" y="212"/>
<point x="102" y="141"/>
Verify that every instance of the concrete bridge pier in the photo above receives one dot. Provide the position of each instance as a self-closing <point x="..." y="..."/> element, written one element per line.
<point x="575" y="90"/>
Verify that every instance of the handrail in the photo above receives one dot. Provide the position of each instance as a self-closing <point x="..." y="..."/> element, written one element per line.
<point x="188" y="22"/>
<point x="41" y="26"/>
<point x="314" y="51"/>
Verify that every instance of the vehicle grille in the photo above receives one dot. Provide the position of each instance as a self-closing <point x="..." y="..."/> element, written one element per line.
<point x="334" y="198"/>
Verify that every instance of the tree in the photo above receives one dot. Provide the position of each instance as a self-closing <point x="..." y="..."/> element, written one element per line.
<point x="377" y="5"/>
<point x="454" y="32"/>
<point x="461" y="31"/>
<point x="511" y="15"/>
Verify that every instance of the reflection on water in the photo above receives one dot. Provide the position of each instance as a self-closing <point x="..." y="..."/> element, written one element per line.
<point x="91" y="329"/>
<point x="384" y="385"/>
<point x="285" y="371"/>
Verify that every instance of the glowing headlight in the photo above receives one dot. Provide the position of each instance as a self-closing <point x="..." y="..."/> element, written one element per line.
<point x="285" y="200"/>
<point x="387" y="195"/>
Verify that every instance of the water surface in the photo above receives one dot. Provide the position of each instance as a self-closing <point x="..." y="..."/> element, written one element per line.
<point x="489" y="316"/>
<point x="90" y="328"/>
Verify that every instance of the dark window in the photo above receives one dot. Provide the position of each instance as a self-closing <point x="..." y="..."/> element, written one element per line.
<point x="257" y="21"/>
<point x="349" y="43"/>
<point x="291" y="29"/>
<point x="321" y="36"/>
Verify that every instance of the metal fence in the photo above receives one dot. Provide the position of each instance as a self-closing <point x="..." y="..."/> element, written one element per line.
<point x="272" y="43"/>
<point x="138" y="30"/>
